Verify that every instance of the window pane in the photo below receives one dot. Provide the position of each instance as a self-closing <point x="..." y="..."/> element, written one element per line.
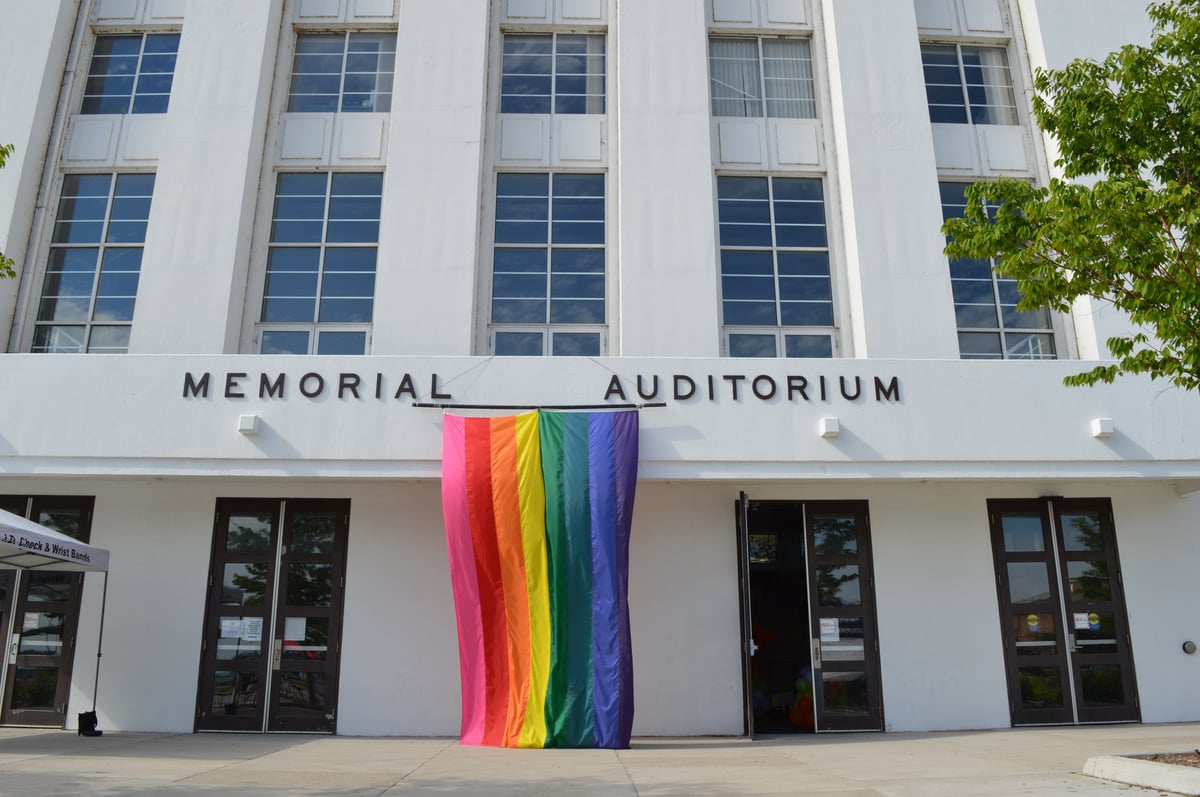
<point x="772" y="286"/>
<point x="749" y="314"/>
<point x="1089" y="581"/>
<point x="741" y="345"/>
<point x="319" y="284"/>
<point x="131" y="72"/>
<point x="1023" y="533"/>
<point x="1081" y="531"/>
<point x="1030" y="347"/>
<point x="108" y="340"/>
<point x="735" y="78"/>
<point x="532" y="210"/>
<point x="576" y="311"/>
<point x="1102" y="685"/>
<point x="968" y="84"/>
<point x="276" y="341"/>
<point x="989" y="86"/>
<point x="576" y="344"/>
<point x="519" y="311"/>
<point x="1041" y="687"/>
<point x="788" y="79"/>
<point x="341" y="342"/>
<point x="743" y="211"/>
<point x="519" y="344"/>
<point x="979" y="346"/>
<point x="350" y="72"/>
<point x="345" y="311"/>
<point x="808" y="346"/>
<point x="838" y="585"/>
<point x="72" y="291"/>
<point x="526" y="73"/>
<point x="1029" y="582"/>
<point x="59" y="339"/>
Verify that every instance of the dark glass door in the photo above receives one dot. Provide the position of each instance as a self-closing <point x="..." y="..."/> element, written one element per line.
<point x="304" y="680"/>
<point x="814" y="660"/>
<point x="1062" y="609"/>
<point x="273" y="618"/>
<point x="44" y="622"/>
<point x="842" y="596"/>
<point x="747" y="619"/>
<point x="18" y="505"/>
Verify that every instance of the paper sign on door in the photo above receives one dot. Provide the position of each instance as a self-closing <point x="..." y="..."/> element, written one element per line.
<point x="830" y="630"/>
<point x="252" y="629"/>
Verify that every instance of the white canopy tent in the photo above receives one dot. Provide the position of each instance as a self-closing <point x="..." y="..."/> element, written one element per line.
<point x="26" y="545"/>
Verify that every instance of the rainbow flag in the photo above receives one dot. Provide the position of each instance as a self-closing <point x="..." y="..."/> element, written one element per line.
<point x="538" y="511"/>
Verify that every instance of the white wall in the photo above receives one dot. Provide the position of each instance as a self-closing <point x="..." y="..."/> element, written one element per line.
<point x="426" y="286"/>
<point x="194" y="267"/>
<point x="684" y="612"/>
<point x="939" y="635"/>
<point x="666" y="256"/>
<point x="900" y="303"/>
<point x="37" y="36"/>
<point x="948" y="419"/>
<point x="939" y="626"/>
<point x="1160" y="553"/>
<point x="400" y="662"/>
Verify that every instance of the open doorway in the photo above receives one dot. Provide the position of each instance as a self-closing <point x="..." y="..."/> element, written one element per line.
<point x="810" y="649"/>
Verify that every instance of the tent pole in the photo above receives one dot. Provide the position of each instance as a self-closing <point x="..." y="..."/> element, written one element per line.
<point x="100" y="641"/>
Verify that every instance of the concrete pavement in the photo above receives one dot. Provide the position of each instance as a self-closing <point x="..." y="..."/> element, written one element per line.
<point x="1040" y="762"/>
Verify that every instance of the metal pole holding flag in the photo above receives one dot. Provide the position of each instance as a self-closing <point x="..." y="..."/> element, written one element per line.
<point x="100" y="640"/>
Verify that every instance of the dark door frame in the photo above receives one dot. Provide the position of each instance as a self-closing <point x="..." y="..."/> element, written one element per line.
<point x="860" y="557"/>
<point x="1064" y="654"/>
<point x="69" y="607"/>
<point x="265" y="671"/>
<point x="870" y="665"/>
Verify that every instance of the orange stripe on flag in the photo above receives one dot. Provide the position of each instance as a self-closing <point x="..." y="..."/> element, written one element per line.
<point x="507" y="503"/>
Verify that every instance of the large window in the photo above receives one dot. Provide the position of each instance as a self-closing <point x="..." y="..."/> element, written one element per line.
<point x="131" y="74"/>
<point x="548" y="265"/>
<point x="985" y="305"/>
<point x="776" y="291"/>
<point x="969" y="84"/>
<point x="320" y="284"/>
<point x="761" y="77"/>
<point x="552" y="73"/>
<point x="349" y="72"/>
<point x="95" y="260"/>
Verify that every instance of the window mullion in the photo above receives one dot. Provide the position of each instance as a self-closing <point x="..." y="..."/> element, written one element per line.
<point x="137" y="75"/>
<point x="549" y="238"/>
<point x="101" y="246"/>
<point x="321" y="257"/>
<point x="762" y="87"/>
<point x="999" y="308"/>
<point x="345" y="64"/>
<point x="962" y="83"/>
<point x="774" y="251"/>
<point x="553" y="77"/>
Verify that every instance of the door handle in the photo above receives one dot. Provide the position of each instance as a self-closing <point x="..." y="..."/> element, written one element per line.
<point x="816" y="659"/>
<point x="12" y="651"/>
<point x="753" y="647"/>
<point x="277" y="655"/>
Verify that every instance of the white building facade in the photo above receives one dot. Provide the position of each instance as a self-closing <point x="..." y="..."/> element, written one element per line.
<point x="262" y="244"/>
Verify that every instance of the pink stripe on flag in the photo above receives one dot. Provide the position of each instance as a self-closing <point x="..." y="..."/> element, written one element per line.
<point x="463" y="578"/>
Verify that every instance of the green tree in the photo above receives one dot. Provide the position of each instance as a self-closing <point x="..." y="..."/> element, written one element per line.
<point x="1120" y="224"/>
<point x="6" y="264"/>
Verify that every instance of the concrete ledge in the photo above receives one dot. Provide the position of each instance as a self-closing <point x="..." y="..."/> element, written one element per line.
<point x="1148" y="774"/>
